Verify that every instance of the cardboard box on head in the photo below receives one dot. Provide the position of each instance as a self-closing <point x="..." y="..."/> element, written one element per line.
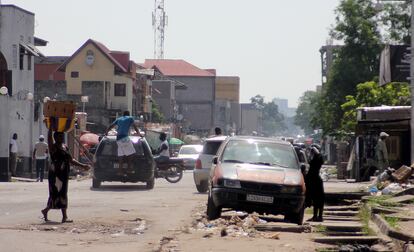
<point x="60" y="115"/>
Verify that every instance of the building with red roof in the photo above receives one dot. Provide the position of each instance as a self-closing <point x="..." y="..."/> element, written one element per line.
<point x="109" y="79"/>
<point x="194" y="105"/>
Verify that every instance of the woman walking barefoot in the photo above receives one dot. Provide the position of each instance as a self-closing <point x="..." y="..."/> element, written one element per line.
<point x="59" y="175"/>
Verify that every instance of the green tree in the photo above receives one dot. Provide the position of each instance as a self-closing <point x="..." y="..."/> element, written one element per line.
<point x="356" y="62"/>
<point x="272" y="119"/>
<point x="157" y="116"/>
<point x="306" y="112"/>
<point x="395" y="19"/>
<point x="369" y="94"/>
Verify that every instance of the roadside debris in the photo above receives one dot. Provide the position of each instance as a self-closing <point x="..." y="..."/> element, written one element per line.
<point x="392" y="181"/>
<point x="241" y="224"/>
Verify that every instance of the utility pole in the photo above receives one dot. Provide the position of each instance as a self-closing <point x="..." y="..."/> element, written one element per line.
<point x="159" y="22"/>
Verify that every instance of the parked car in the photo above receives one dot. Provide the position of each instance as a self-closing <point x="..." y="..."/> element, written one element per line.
<point x="189" y="153"/>
<point x="204" y="161"/>
<point x="106" y="163"/>
<point x="256" y="174"/>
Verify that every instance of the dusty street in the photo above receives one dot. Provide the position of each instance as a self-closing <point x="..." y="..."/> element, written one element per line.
<point x="123" y="217"/>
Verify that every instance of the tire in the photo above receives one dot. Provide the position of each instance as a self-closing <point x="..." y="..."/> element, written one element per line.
<point x="296" y="218"/>
<point x="177" y="174"/>
<point x="202" y="187"/>
<point x="96" y="183"/>
<point x="213" y="212"/>
<point x="150" y="184"/>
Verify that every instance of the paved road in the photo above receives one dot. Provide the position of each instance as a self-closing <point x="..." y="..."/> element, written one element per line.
<point x="123" y="217"/>
<point x="100" y="215"/>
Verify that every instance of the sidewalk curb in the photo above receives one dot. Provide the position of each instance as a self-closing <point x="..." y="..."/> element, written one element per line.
<point x="389" y="231"/>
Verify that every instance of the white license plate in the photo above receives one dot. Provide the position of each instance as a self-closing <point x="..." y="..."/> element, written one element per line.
<point x="259" y="198"/>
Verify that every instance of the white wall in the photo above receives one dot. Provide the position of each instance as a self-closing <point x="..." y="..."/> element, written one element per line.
<point x="17" y="26"/>
<point x="16" y="113"/>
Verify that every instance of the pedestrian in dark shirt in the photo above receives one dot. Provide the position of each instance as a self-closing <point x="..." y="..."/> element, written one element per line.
<point x="58" y="176"/>
<point x="315" y="195"/>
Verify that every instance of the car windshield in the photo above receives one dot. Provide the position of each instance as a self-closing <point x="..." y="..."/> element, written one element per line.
<point x="260" y="153"/>
<point x="190" y="150"/>
<point x="211" y="147"/>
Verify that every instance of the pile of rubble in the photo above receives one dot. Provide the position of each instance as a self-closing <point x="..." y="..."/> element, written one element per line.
<point x="392" y="181"/>
<point x="233" y="224"/>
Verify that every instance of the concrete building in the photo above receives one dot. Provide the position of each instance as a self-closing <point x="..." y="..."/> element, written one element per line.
<point x="164" y="96"/>
<point x="251" y="119"/>
<point x="328" y="54"/>
<point x="106" y="77"/>
<point x="196" y="101"/>
<point x="283" y="107"/>
<point x="227" y="113"/>
<point x="17" y="52"/>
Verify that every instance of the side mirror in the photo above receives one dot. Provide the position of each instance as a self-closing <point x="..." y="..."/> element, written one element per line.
<point x="215" y="160"/>
<point x="303" y="168"/>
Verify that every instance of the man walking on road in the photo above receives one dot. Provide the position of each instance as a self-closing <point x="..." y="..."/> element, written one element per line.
<point x="126" y="148"/>
<point x="381" y="152"/>
<point x="40" y="155"/>
<point x="13" y="155"/>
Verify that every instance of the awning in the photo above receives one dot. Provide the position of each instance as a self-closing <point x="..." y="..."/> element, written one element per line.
<point x="31" y="49"/>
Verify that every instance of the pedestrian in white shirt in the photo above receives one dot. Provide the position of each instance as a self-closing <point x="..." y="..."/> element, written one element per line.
<point x="13" y="155"/>
<point x="40" y="155"/>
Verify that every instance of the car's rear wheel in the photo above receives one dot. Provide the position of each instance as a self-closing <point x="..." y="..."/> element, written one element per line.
<point x="213" y="212"/>
<point x="202" y="187"/>
<point x="150" y="183"/>
<point x="96" y="183"/>
<point x="296" y="218"/>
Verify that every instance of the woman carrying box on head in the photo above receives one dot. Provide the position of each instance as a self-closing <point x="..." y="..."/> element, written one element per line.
<point x="59" y="174"/>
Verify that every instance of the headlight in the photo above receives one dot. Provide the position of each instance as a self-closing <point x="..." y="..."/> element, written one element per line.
<point x="290" y="189"/>
<point x="232" y="183"/>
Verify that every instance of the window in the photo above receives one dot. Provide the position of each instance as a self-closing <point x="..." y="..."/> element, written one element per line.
<point x="15" y="52"/>
<point x="74" y="74"/>
<point x="29" y="62"/>
<point x="120" y="89"/>
<point x="21" y="57"/>
<point x="261" y="153"/>
<point x="211" y="147"/>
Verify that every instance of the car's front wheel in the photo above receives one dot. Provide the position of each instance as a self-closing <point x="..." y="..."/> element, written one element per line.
<point x="96" y="183"/>
<point x="202" y="187"/>
<point x="150" y="183"/>
<point x="296" y="218"/>
<point x="213" y="212"/>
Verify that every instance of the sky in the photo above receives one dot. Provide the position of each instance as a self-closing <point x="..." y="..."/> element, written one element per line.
<point x="272" y="45"/>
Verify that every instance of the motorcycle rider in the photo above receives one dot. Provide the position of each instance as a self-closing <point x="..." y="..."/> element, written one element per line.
<point x="163" y="150"/>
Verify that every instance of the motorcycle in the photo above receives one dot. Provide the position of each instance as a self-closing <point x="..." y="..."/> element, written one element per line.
<point x="172" y="170"/>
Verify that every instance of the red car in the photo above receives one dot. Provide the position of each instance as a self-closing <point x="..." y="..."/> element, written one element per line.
<point x="256" y="174"/>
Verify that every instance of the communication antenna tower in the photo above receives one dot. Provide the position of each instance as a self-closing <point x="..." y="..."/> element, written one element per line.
<point x="159" y="22"/>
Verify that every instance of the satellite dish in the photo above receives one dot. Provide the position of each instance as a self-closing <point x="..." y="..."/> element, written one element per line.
<point x="180" y="117"/>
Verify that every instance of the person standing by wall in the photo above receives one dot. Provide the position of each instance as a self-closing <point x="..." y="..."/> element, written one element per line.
<point x="13" y="155"/>
<point x="381" y="152"/>
<point x="40" y="155"/>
